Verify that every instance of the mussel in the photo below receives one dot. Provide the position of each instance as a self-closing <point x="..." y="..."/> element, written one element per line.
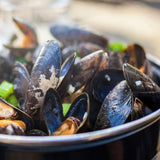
<point x="56" y="122"/>
<point x="142" y="86"/>
<point x="102" y="87"/>
<point x="116" y="107"/>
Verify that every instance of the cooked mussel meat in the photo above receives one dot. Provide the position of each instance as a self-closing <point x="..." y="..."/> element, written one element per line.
<point x="72" y="121"/>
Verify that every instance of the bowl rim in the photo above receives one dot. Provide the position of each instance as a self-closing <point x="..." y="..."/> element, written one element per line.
<point x="81" y="140"/>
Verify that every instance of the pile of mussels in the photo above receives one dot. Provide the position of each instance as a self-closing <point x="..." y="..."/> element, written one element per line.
<point x="105" y="88"/>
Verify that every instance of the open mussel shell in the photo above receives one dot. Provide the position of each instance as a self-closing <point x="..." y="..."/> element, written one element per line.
<point x="135" y="55"/>
<point x="27" y="44"/>
<point x="104" y="82"/>
<point x="139" y="110"/>
<point x="20" y="115"/>
<point x="30" y="39"/>
<point x="79" y="108"/>
<point x="84" y="70"/>
<point x="51" y="111"/>
<point x="70" y="34"/>
<point x="116" y="107"/>
<point x="75" y="117"/>
<point x="65" y="75"/>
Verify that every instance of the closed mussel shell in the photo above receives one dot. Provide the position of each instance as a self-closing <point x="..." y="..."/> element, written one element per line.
<point x="116" y="107"/>
<point x="138" y="81"/>
<point x="45" y="74"/>
<point x="70" y="34"/>
<point x="142" y="86"/>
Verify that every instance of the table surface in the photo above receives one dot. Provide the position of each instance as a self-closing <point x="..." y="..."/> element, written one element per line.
<point x="128" y="21"/>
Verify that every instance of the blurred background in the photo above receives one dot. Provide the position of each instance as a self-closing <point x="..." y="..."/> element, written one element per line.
<point x="120" y="20"/>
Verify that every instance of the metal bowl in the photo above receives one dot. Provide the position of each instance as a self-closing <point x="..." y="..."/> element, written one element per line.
<point x="135" y="140"/>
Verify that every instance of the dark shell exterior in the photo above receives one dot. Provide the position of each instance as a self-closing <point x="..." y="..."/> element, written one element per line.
<point x="45" y="74"/>
<point x="116" y="107"/>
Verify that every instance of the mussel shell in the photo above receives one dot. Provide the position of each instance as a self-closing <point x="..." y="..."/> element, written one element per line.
<point x="155" y="73"/>
<point x="104" y="82"/>
<point x="21" y="116"/>
<point x="79" y="107"/>
<point x="66" y="66"/>
<point x="21" y="82"/>
<point x="135" y="55"/>
<point x="116" y="107"/>
<point x="115" y="60"/>
<point x="68" y="51"/>
<point x="45" y="74"/>
<point x="36" y="132"/>
<point x="18" y="52"/>
<point x="5" y="69"/>
<point x="86" y="48"/>
<point x="84" y="70"/>
<point x="138" y="81"/>
<point x="142" y="86"/>
<point x="65" y="75"/>
<point x="70" y="34"/>
<point x="28" y="31"/>
<point x="51" y="111"/>
<point x="138" y="110"/>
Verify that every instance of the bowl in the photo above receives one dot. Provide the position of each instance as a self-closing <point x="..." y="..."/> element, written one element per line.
<point x="137" y="140"/>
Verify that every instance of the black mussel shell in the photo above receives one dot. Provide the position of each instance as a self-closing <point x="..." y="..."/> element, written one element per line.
<point x="45" y="74"/>
<point x="36" y="132"/>
<point x="70" y="34"/>
<point x="138" y="110"/>
<point x="116" y="107"/>
<point x="142" y="86"/>
<point x="65" y="75"/>
<point x="104" y="82"/>
<point x="21" y="82"/>
<point x="84" y="70"/>
<point x="5" y="69"/>
<point x="155" y="73"/>
<point x="115" y="60"/>
<point x="68" y="51"/>
<point x="87" y="48"/>
<point x="138" y="81"/>
<point x="79" y="108"/>
<point x="52" y="111"/>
